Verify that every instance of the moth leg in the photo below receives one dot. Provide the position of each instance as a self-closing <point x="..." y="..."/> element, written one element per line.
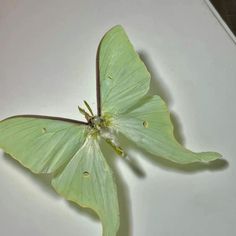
<point x="119" y="150"/>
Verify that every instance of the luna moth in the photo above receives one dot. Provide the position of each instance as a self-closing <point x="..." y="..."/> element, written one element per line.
<point x="70" y="149"/>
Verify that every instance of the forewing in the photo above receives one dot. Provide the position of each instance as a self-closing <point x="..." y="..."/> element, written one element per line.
<point x="88" y="181"/>
<point x="41" y="144"/>
<point x="124" y="78"/>
<point x="150" y="127"/>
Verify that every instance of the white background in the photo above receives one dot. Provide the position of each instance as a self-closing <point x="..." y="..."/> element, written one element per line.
<point x="47" y="67"/>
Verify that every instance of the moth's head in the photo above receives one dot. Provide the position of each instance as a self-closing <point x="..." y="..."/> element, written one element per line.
<point x="99" y="122"/>
<point x="94" y="121"/>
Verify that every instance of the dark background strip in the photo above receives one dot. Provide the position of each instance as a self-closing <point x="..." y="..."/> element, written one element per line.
<point x="227" y="10"/>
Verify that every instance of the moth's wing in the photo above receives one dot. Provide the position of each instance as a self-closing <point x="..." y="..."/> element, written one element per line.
<point x="41" y="144"/>
<point x="88" y="181"/>
<point x="150" y="127"/>
<point x="124" y="78"/>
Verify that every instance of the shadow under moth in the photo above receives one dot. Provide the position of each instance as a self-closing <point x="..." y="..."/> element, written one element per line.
<point x="70" y="149"/>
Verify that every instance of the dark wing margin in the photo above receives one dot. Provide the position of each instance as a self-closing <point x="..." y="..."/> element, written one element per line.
<point x="98" y="89"/>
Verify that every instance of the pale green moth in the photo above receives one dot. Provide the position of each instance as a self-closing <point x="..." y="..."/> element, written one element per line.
<point x="70" y="149"/>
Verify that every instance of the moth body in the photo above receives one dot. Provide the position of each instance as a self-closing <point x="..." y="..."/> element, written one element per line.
<point x="101" y="126"/>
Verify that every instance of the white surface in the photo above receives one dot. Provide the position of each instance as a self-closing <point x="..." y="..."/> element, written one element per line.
<point x="47" y="66"/>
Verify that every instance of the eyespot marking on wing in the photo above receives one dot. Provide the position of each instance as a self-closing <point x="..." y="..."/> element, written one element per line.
<point x="86" y="173"/>
<point x="44" y="130"/>
<point x="145" y="124"/>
